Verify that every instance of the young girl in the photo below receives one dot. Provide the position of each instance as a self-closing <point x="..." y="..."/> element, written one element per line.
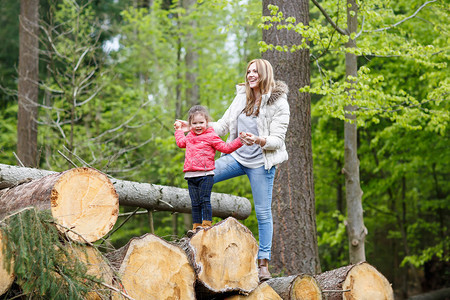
<point x="201" y="144"/>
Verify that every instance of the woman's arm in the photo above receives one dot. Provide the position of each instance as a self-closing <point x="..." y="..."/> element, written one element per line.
<point x="218" y="144"/>
<point x="278" y="126"/>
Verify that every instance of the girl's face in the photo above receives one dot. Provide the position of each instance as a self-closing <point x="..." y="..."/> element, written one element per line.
<point x="199" y="123"/>
<point x="253" y="76"/>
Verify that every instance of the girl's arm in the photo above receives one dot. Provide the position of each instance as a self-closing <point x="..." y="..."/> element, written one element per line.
<point x="180" y="138"/>
<point x="218" y="144"/>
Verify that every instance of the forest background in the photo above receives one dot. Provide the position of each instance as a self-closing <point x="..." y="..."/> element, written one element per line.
<point x="114" y="75"/>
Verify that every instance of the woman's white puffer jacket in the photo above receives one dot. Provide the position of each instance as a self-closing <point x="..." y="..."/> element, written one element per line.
<point x="273" y="121"/>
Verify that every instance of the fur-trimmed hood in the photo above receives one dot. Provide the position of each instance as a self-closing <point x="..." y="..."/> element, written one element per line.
<point x="279" y="89"/>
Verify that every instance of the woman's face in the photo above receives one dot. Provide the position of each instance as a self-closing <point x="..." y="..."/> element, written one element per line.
<point x="253" y="77"/>
<point x="198" y="123"/>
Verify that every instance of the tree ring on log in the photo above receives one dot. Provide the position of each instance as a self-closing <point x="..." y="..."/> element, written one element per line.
<point x="365" y="282"/>
<point x="85" y="203"/>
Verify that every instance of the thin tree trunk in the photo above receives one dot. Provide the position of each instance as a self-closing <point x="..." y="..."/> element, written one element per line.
<point x="191" y="57"/>
<point x="28" y="83"/>
<point x="294" y="244"/>
<point x="355" y="227"/>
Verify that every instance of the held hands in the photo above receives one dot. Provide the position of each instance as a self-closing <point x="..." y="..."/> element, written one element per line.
<point x="250" y="139"/>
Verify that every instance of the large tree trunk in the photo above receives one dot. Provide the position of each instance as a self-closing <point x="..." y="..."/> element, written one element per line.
<point x="295" y="239"/>
<point x="355" y="226"/>
<point x="28" y="83"/>
<point x="224" y="258"/>
<point x="262" y="292"/>
<point x="83" y="202"/>
<point x="152" y="268"/>
<point x="145" y="195"/>
<point x="191" y="56"/>
<point x="296" y="287"/>
<point x="360" y="281"/>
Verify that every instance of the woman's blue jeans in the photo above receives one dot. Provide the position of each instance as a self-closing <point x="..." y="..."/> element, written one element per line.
<point x="261" y="182"/>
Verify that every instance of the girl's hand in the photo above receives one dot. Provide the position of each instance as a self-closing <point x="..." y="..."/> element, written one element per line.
<point x="177" y="125"/>
<point x="183" y="125"/>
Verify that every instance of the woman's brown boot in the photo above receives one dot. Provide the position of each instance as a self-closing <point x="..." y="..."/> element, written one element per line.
<point x="263" y="270"/>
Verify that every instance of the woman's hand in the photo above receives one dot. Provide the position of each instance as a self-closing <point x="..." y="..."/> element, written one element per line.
<point x="181" y="124"/>
<point x="251" y="139"/>
<point x="244" y="140"/>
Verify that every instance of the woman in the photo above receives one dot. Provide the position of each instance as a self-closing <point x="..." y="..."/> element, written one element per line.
<point x="259" y="114"/>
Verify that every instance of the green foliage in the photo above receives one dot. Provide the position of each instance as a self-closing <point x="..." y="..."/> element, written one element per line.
<point x="401" y="92"/>
<point x="41" y="259"/>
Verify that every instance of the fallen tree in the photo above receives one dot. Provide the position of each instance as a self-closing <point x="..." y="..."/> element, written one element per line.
<point x="145" y="195"/>
<point x="358" y="281"/>
<point x="6" y="276"/>
<point x="82" y="201"/>
<point x="296" y="287"/>
<point x="224" y="259"/>
<point x="262" y="292"/>
<point x="152" y="268"/>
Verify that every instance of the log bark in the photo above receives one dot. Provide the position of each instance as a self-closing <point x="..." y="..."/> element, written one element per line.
<point x="6" y="277"/>
<point x="296" y="287"/>
<point x="145" y="195"/>
<point x="263" y="292"/>
<point x="224" y="258"/>
<point x="152" y="268"/>
<point x="358" y="281"/>
<point x="83" y="202"/>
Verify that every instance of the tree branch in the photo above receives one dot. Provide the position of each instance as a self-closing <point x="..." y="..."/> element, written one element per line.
<point x="404" y="20"/>
<point x="335" y="26"/>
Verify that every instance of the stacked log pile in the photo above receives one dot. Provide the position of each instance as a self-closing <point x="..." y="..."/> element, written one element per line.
<point x="214" y="263"/>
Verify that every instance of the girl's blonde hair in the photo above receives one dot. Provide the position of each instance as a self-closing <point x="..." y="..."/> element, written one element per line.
<point x="198" y="109"/>
<point x="266" y="83"/>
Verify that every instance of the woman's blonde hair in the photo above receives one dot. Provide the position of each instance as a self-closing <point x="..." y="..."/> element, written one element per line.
<point x="198" y="109"/>
<point x="266" y="83"/>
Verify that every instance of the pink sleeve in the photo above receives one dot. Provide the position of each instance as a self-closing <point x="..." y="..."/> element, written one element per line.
<point x="180" y="138"/>
<point x="221" y="146"/>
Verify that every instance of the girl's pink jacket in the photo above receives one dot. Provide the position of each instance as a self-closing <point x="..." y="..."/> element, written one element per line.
<point x="200" y="149"/>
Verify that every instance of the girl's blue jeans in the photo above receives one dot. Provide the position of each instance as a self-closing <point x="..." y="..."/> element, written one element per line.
<point x="261" y="182"/>
<point x="200" y="193"/>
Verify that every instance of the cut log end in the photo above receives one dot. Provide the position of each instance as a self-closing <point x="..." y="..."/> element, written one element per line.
<point x="6" y="278"/>
<point x="297" y="287"/>
<point x="85" y="202"/>
<point x="97" y="266"/>
<point x="365" y="282"/>
<point x="359" y="281"/>
<point x="305" y="287"/>
<point x="225" y="256"/>
<point x="155" y="269"/>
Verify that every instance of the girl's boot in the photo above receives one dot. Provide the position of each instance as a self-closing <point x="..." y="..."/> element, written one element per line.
<point x="206" y="224"/>
<point x="195" y="228"/>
